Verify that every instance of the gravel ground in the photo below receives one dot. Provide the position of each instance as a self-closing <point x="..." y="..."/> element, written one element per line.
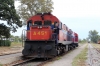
<point x="9" y="50"/>
<point x="67" y="59"/>
<point x="10" y="58"/>
<point x="93" y="56"/>
<point x="12" y="55"/>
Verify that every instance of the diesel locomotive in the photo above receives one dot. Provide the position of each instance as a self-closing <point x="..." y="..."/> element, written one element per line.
<point x="40" y="41"/>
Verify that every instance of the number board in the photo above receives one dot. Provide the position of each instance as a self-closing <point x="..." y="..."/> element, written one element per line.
<point x="40" y="33"/>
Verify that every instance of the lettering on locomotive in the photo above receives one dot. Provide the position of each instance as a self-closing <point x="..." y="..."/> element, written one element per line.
<point x="40" y="33"/>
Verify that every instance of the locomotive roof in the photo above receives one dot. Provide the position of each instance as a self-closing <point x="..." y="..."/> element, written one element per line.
<point x="39" y="15"/>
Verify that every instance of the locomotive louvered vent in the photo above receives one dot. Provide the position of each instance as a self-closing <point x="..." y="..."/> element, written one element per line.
<point x="47" y="22"/>
<point x="38" y="23"/>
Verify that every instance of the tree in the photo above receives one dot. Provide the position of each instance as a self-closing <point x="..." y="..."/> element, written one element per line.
<point x="4" y="31"/>
<point x="16" y="38"/>
<point x="29" y="8"/>
<point x="8" y="13"/>
<point x="93" y="35"/>
<point x="80" y="40"/>
<point x="84" y="40"/>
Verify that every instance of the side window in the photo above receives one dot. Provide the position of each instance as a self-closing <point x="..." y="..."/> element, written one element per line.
<point x="38" y="23"/>
<point x="29" y="23"/>
<point x="66" y="28"/>
<point x="55" y="23"/>
<point x="60" y="25"/>
<point x="47" y="22"/>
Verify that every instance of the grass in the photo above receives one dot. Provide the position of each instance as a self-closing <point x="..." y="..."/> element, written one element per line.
<point x="17" y="44"/>
<point x="13" y="44"/>
<point x="0" y="64"/>
<point x="14" y="47"/>
<point x="58" y="58"/>
<point x="80" y="59"/>
<point x="96" y="45"/>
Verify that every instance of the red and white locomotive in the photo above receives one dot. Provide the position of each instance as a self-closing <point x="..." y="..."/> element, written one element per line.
<point x="39" y="41"/>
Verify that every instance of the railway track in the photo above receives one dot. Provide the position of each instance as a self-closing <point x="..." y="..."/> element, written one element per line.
<point x="29" y="62"/>
<point x="22" y="62"/>
<point x="93" y="56"/>
<point x="9" y="54"/>
<point x="35" y="62"/>
<point x="97" y="50"/>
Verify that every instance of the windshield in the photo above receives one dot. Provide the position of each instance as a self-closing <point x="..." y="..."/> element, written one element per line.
<point x="47" y="22"/>
<point x="38" y="23"/>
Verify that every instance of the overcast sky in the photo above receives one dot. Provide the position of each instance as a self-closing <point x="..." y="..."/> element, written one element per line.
<point x="79" y="15"/>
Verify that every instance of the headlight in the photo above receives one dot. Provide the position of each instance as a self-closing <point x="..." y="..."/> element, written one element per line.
<point x="39" y="26"/>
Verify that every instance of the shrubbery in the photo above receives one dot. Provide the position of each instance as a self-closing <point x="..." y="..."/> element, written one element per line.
<point x="5" y="43"/>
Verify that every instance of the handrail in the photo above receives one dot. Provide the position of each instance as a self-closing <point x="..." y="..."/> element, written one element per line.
<point x="23" y="37"/>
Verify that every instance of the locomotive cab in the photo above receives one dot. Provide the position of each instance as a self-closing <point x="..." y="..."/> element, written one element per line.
<point x="40" y="30"/>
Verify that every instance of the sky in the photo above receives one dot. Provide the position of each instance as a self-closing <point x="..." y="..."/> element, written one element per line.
<point x="79" y="15"/>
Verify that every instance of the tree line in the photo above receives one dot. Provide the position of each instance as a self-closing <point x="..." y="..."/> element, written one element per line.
<point x="93" y="36"/>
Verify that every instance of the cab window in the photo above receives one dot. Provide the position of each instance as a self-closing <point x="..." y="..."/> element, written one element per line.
<point x="38" y="23"/>
<point x="60" y="25"/>
<point x="29" y="24"/>
<point x="47" y="22"/>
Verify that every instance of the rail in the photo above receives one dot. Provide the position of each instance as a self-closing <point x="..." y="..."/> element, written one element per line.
<point x="22" y="62"/>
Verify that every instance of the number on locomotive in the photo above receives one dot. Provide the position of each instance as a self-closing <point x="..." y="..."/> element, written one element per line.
<point x="40" y="33"/>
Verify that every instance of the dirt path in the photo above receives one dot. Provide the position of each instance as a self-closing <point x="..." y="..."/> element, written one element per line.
<point x="93" y="56"/>
<point x="9" y="50"/>
<point x="67" y="59"/>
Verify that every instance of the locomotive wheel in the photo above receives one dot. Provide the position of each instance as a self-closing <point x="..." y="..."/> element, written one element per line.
<point x="64" y="50"/>
<point x="58" y="52"/>
<point x="69" y="48"/>
<point x="74" y="46"/>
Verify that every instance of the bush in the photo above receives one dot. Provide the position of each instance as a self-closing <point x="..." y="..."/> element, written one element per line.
<point x="5" y="43"/>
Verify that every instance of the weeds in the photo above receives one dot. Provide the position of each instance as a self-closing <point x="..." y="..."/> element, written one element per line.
<point x="80" y="59"/>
